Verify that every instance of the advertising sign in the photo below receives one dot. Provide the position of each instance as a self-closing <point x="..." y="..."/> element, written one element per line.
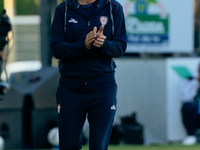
<point x="159" y="25"/>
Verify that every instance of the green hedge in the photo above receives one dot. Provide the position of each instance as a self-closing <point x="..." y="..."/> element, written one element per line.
<point x="26" y="7"/>
<point x="1" y="6"/>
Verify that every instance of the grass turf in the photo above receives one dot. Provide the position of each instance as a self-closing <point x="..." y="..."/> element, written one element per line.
<point x="157" y="147"/>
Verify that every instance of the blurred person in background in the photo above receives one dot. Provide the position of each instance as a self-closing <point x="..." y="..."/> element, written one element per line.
<point x="5" y="27"/>
<point x="190" y="97"/>
<point x="2" y="54"/>
<point x="85" y="36"/>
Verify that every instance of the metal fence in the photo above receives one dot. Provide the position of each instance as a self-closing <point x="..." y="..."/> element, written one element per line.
<point x="26" y="39"/>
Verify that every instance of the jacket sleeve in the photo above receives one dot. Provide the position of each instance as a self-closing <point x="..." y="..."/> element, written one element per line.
<point x="59" y="47"/>
<point x="117" y="45"/>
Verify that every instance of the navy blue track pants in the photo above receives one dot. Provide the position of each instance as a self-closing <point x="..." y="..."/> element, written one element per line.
<point x="73" y="107"/>
<point x="190" y="117"/>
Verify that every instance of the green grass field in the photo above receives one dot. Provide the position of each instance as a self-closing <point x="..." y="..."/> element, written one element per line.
<point x="157" y="147"/>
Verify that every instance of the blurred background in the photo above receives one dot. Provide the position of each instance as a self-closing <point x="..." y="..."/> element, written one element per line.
<point x="163" y="49"/>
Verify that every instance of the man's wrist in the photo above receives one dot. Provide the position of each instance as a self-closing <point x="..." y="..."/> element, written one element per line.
<point x="87" y="46"/>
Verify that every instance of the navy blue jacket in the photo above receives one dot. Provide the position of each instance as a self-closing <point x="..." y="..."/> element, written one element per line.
<point x="79" y="65"/>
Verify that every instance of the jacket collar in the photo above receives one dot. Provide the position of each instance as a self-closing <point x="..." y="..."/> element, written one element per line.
<point x="100" y="3"/>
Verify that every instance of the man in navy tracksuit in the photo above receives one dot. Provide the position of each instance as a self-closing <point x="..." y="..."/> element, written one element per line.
<point x="85" y="36"/>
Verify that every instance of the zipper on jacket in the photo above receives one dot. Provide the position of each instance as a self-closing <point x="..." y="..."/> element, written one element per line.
<point x="88" y="30"/>
<point x="86" y="68"/>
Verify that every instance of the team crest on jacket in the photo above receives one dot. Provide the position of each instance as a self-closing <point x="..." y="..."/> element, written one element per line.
<point x="104" y="20"/>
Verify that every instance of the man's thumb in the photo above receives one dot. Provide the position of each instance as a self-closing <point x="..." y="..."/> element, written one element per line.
<point x="95" y="29"/>
<point x="101" y="29"/>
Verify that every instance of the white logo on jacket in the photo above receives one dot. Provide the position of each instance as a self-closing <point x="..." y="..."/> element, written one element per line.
<point x="73" y="20"/>
<point x="113" y="107"/>
<point x="103" y="20"/>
